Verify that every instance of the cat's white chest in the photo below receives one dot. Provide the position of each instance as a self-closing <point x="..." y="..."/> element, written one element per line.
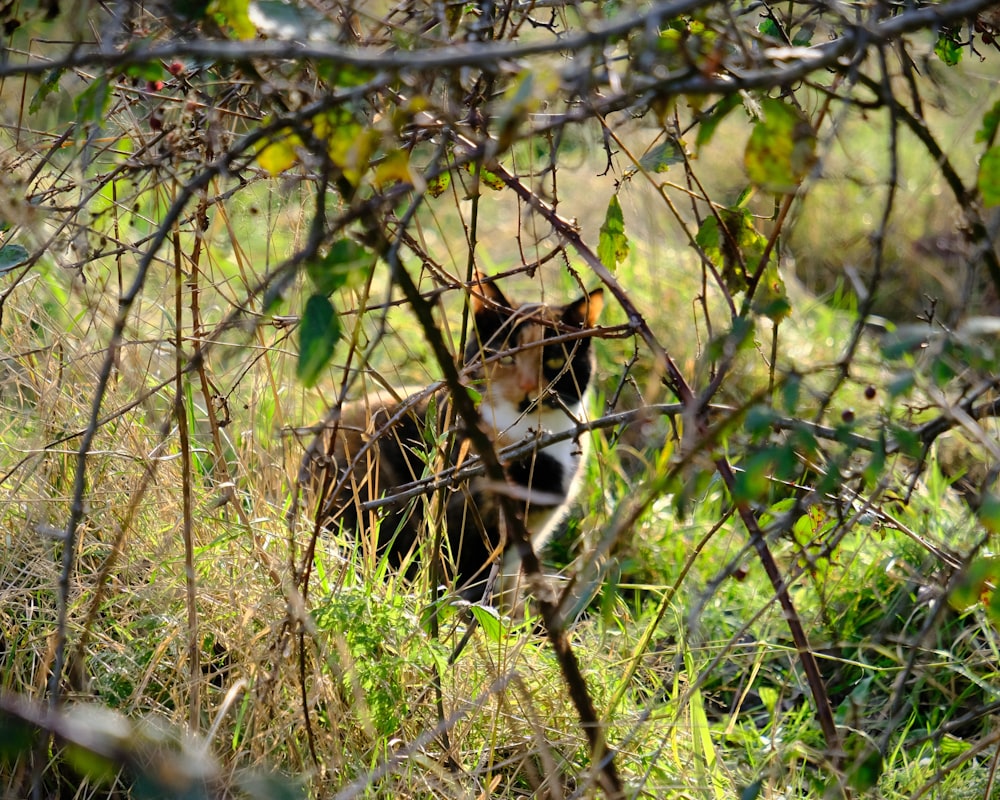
<point x="508" y="425"/>
<point x="511" y="426"/>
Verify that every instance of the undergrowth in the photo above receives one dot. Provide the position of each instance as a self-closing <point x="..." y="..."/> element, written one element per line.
<point x="683" y="646"/>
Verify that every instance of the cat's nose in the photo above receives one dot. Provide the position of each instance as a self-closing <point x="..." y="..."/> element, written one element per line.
<point x="528" y="383"/>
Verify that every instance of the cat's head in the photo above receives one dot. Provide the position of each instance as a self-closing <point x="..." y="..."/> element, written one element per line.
<point x="531" y="355"/>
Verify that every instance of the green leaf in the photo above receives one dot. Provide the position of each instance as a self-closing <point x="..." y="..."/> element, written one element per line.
<point x="394" y="167"/>
<point x="92" y="103"/>
<point x="745" y="197"/>
<point x="45" y="88"/>
<point x="903" y="342"/>
<point x="16" y="738"/>
<point x="948" y="49"/>
<point x="145" y="72"/>
<point x="758" y="422"/>
<point x="864" y="773"/>
<point x="97" y="767"/>
<point x="709" y="238"/>
<point x="809" y="525"/>
<point x="876" y="464"/>
<point x="770" y="298"/>
<point x="805" y="443"/>
<point x="349" y="145"/>
<point x="907" y="441"/>
<point x="347" y="76"/>
<point x="701" y="732"/>
<point x="344" y="260"/>
<point x="486" y="177"/>
<point x="993" y="608"/>
<point x="768" y="27"/>
<point x="754" y="477"/>
<point x="791" y="392"/>
<point x="612" y="247"/>
<point x="731" y="241"/>
<point x="671" y="39"/>
<point x="991" y="119"/>
<point x="781" y="149"/>
<point x="10" y="256"/>
<point x="708" y="123"/>
<point x="804" y="36"/>
<point x="489" y="621"/>
<point x="430" y="433"/>
<point x="520" y="99"/>
<point x="989" y="512"/>
<point x="661" y="157"/>
<point x="491" y="179"/>
<point x="989" y="176"/>
<point x="785" y="461"/>
<point x="437" y="185"/>
<point x="739" y="337"/>
<point x="901" y="383"/>
<point x="973" y="584"/>
<point x="769" y="697"/>
<point x="319" y="332"/>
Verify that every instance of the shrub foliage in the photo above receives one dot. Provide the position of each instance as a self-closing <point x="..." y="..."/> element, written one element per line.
<point x="220" y="219"/>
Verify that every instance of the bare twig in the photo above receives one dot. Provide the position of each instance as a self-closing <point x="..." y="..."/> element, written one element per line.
<point x="187" y="522"/>
<point x="787" y="66"/>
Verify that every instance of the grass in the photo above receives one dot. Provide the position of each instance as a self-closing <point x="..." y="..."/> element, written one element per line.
<point x="686" y="654"/>
<point x="676" y="680"/>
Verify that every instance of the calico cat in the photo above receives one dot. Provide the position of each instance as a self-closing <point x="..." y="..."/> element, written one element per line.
<point x="530" y="383"/>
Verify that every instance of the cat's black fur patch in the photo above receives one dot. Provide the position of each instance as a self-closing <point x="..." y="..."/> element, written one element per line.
<point x="394" y="449"/>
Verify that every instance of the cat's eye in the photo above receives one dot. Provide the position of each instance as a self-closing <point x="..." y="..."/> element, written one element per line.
<point x="554" y="363"/>
<point x="506" y="360"/>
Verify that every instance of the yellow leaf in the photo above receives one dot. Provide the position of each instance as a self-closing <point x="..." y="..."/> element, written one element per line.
<point x="236" y="14"/>
<point x="394" y="167"/>
<point x="781" y="149"/>
<point x="349" y="146"/>
<point x="279" y="155"/>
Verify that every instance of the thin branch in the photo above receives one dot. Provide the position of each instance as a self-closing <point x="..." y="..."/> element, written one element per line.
<point x="701" y="429"/>
<point x="223" y="164"/>
<point x="787" y="65"/>
<point x="187" y="522"/>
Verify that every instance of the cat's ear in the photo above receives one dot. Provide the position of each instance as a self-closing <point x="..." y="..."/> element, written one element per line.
<point x="486" y="295"/>
<point x="585" y="311"/>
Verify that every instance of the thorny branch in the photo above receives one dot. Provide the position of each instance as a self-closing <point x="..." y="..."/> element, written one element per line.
<point x="785" y="65"/>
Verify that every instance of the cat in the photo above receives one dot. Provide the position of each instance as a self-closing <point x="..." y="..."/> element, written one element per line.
<point x="529" y="386"/>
